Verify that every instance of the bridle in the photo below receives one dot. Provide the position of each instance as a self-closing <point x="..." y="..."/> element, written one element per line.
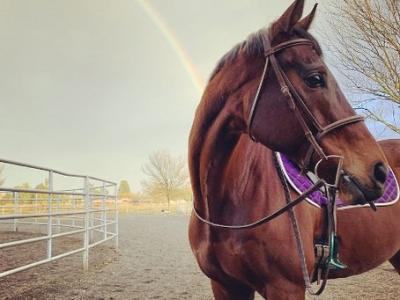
<point x="298" y="106"/>
<point x="295" y="101"/>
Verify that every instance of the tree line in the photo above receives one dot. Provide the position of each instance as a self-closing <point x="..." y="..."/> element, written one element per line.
<point x="166" y="179"/>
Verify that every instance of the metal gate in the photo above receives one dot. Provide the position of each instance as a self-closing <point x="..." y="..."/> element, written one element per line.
<point x="89" y="210"/>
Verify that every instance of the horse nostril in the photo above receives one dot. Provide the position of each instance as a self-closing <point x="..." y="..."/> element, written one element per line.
<point x="380" y="172"/>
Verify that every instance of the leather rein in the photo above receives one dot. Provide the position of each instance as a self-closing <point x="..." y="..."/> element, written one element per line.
<point x="298" y="106"/>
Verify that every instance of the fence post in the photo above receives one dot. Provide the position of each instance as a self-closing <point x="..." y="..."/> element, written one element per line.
<point x="91" y="215"/>
<point x="16" y="210"/>
<point x="36" y="207"/>
<point x="50" y="217"/>
<point x="74" y="209"/>
<point x="86" y="233"/>
<point x="104" y="212"/>
<point x="58" y="211"/>
<point x="116" y="217"/>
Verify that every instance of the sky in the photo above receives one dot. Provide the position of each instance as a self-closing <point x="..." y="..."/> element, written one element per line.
<point x="94" y="87"/>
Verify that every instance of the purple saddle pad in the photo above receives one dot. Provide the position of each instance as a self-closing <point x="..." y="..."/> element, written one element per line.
<point x="301" y="183"/>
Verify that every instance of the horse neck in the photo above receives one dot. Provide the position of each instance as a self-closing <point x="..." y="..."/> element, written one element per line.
<point x="217" y="135"/>
<point x="235" y="174"/>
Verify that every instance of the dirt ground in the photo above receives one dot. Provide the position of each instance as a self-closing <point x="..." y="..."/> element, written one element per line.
<point x="154" y="262"/>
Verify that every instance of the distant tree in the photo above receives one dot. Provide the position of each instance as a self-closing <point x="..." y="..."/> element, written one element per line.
<point x="25" y="198"/>
<point x="43" y="185"/>
<point x="97" y="189"/>
<point x="366" y="41"/>
<point x="166" y="175"/>
<point x="124" y="190"/>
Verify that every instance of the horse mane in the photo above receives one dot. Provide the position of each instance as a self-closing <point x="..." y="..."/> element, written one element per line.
<point x="213" y="101"/>
<point x="253" y="46"/>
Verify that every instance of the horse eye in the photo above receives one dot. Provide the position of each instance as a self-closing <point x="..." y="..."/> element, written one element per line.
<point x="315" y="80"/>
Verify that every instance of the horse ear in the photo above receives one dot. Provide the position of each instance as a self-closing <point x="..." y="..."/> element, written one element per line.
<point x="305" y="23"/>
<point x="290" y="17"/>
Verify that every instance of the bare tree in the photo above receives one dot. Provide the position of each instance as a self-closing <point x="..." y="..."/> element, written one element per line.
<point x="166" y="175"/>
<point x="367" y="44"/>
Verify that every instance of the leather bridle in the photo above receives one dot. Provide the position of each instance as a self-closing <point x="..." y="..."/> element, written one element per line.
<point x="295" y="101"/>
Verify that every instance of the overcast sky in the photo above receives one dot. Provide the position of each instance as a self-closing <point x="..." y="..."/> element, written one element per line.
<point x="94" y="87"/>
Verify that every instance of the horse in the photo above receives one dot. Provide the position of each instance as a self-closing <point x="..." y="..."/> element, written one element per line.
<point x="274" y="93"/>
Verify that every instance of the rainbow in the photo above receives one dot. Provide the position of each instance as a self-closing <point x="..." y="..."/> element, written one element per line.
<point x="174" y="42"/>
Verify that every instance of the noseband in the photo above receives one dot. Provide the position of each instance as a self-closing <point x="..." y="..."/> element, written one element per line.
<point x="295" y="101"/>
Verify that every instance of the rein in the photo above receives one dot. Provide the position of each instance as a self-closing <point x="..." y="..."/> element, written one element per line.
<point x="268" y="218"/>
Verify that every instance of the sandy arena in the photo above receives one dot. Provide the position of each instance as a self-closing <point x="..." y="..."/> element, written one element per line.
<point x="154" y="262"/>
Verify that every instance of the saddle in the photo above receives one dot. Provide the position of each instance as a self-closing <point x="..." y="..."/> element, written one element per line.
<point x="300" y="183"/>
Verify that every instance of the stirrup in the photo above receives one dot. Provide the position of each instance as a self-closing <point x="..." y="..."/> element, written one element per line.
<point x="334" y="261"/>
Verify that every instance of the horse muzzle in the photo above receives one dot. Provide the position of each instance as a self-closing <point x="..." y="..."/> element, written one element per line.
<point x="361" y="193"/>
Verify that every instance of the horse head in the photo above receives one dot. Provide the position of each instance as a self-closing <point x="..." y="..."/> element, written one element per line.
<point x="298" y="103"/>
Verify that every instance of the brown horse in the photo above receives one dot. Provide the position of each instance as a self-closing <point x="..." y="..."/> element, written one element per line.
<point x="235" y="181"/>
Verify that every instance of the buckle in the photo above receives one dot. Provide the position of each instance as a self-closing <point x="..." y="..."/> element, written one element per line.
<point x="322" y="253"/>
<point x="327" y="163"/>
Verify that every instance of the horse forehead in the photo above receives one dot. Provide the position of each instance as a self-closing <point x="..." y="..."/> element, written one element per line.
<point x="301" y="54"/>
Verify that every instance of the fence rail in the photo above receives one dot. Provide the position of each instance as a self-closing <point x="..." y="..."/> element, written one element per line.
<point x="91" y="211"/>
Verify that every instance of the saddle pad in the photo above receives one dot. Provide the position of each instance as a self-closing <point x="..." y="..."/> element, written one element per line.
<point x="300" y="183"/>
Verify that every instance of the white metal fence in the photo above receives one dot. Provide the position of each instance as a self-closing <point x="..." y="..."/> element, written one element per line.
<point x="88" y="211"/>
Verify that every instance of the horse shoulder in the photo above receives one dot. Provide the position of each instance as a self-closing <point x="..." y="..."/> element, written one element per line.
<point x="391" y="148"/>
